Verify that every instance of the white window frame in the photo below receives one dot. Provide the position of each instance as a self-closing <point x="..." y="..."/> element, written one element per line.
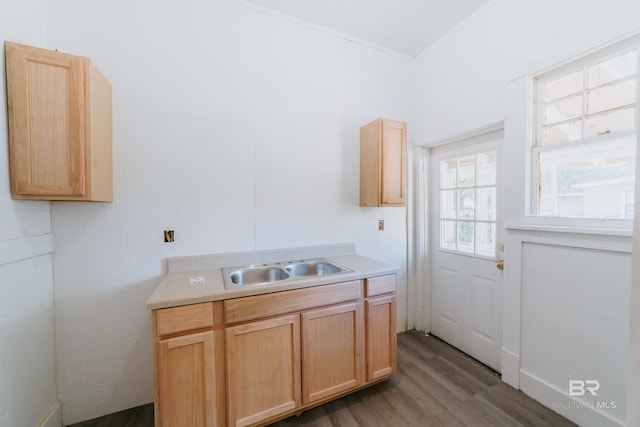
<point x="594" y="57"/>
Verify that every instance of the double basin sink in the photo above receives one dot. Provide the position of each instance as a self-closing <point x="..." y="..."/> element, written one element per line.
<point x="264" y="274"/>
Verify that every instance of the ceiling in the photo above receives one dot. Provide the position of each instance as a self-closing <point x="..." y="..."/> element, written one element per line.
<point x="405" y="26"/>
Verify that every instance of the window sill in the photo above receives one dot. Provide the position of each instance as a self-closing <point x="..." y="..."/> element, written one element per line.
<point x="571" y="229"/>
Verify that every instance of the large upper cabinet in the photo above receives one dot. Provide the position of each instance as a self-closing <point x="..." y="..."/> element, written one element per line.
<point x="60" y="126"/>
<point x="383" y="164"/>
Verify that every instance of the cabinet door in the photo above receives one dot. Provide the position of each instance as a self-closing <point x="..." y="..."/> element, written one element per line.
<point x="185" y="393"/>
<point x="331" y="351"/>
<point x="393" y="163"/>
<point x="383" y="165"/>
<point x="46" y="94"/>
<point x="60" y="126"/>
<point x="263" y="369"/>
<point x="381" y="337"/>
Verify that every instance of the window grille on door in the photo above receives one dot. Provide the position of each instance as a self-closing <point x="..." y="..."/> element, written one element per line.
<point x="468" y="204"/>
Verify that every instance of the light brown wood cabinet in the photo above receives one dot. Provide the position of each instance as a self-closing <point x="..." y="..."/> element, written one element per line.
<point x="185" y="364"/>
<point x="253" y="360"/>
<point x="60" y="126"/>
<point x="186" y="372"/>
<point x="383" y="163"/>
<point x="263" y="369"/>
<point x="381" y="335"/>
<point x="331" y="351"/>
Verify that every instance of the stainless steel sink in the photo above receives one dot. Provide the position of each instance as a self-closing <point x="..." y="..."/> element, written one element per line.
<point x="264" y="274"/>
<point x="257" y="275"/>
<point x="313" y="268"/>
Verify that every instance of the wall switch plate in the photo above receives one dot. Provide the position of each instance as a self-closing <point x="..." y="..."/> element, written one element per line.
<point x="381" y="225"/>
<point x="196" y="280"/>
<point x="168" y="236"/>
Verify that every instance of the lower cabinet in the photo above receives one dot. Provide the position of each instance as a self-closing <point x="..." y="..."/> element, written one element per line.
<point x="186" y="381"/>
<point x="270" y="362"/>
<point x="381" y="337"/>
<point x="331" y="351"/>
<point x="256" y="359"/>
<point x="263" y="369"/>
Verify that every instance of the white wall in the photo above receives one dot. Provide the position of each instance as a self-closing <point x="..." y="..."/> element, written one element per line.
<point x="462" y="79"/>
<point x="235" y="128"/>
<point x="474" y="77"/>
<point x="575" y="325"/>
<point x="27" y="367"/>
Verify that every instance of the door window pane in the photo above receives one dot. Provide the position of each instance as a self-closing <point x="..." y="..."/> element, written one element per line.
<point x="448" y="235"/>
<point x="467" y="199"/>
<point x="486" y="166"/>
<point x="465" y="237"/>
<point x="448" y="173"/>
<point x="486" y="201"/>
<point x="486" y="239"/>
<point x="467" y="171"/>
<point x="448" y="204"/>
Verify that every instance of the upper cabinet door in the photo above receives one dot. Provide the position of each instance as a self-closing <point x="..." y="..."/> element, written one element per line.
<point x="393" y="163"/>
<point x="59" y="126"/>
<point x="383" y="164"/>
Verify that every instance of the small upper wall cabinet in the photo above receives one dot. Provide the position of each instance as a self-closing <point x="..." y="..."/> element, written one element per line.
<point x="383" y="164"/>
<point x="59" y="126"/>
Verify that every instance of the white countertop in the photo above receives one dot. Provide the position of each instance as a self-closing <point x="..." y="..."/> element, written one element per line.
<point x="176" y="289"/>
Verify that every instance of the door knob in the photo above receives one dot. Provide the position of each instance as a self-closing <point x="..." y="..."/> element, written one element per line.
<point x="500" y="265"/>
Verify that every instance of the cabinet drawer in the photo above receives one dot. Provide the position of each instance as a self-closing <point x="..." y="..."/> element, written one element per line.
<point x="185" y="318"/>
<point x="260" y="306"/>
<point x="380" y="285"/>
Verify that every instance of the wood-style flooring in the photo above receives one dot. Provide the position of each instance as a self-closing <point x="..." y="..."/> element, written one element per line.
<point x="436" y="385"/>
<point x="140" y="416"/>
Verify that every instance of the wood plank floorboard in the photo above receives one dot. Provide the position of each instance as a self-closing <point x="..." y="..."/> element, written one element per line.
<point x="435" y="386"/>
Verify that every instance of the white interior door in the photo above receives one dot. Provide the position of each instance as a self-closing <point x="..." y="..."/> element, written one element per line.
<point x="465" y="247"/>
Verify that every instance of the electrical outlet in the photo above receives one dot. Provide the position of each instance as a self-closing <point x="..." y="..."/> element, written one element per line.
<point x="196" y="280"/>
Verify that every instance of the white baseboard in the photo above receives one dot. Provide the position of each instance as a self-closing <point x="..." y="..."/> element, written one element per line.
<point x="579" y="411"/>
<point x="53" y="417"/>
<point x="511" y="368"/>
